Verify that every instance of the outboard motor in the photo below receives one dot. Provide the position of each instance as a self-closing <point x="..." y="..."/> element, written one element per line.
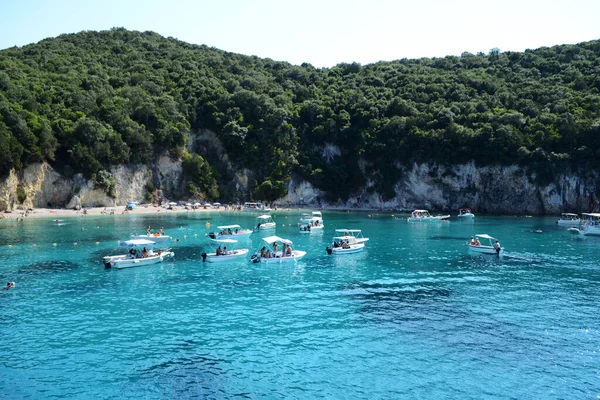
<point x="203" y="255"/>
<point x="255" y="258"/>
<point x="212" y="235"/>
<point x="108" y="265"/>
<point x="329" y="250"/>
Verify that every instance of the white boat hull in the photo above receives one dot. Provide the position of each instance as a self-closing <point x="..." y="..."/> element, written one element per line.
<point x="266" y="226"/>
<point x="312" y="229"/>
<point x="338" y="251"/>
<point x="296" y="255"/>
<point x="233" y="255"/>
<point x="564" y="222"/>
<point x="438" y="218"/>
<point x="236" y="236"/>
<point x="588" y="230"/>
<point x="466" y="216"/>
<point x="484" y="250"/>
<point x="127" y="261"/>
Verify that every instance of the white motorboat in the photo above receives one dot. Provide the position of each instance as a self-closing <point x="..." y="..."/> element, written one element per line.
<point x="465" y="213"/>
<point x="311" y="223"/>
<point x="425" y="216"/>
<point x="267" y="256"/>
<point x="490" y="245"/>
<point x="230" y="231"/>
<point x="569" y="219"/>
<point x="136" y="257"/>
<point x="224" y="255"/>
<point x="589" y="226"/>
<point x="355" y="233"/>
<point x="345" y="245"/>
<point x="265" y="222"/>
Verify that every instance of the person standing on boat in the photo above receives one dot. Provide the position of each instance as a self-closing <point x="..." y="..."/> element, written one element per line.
<point x="148" y="231"/>
<point x="497" y="247"/>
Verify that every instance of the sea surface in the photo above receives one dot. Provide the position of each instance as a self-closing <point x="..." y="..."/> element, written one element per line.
<point x="413" y="316"/>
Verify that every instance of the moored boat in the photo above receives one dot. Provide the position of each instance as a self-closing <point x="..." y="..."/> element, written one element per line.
<point x="267" y="256"/>
<point x="355" y="233"/>
<point x="465" y="213"/>
<point x="224" y="255"/>
<point x="425" y="216"/>
<point x="136" y="257"/>
<point x="311" y="223"/>
<point x="490" y="245"/>
<point x="231" y="231"/>
<point x="589" y="225"/>
<point x="265" y="222"/>
<point x="345" y="245"/>
<point x="568" y="219"/>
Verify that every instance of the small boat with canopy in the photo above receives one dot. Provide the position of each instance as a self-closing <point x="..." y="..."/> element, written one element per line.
<point x="140" y="253"/>
<point x="222" y="255"/>
<point x="282" y="251"/>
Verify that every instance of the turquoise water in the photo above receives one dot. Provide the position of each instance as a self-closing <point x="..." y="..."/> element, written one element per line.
<point x="414" y="316"/>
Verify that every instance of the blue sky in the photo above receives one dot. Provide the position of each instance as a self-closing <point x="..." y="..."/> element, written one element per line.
<point x="322" y="33"/>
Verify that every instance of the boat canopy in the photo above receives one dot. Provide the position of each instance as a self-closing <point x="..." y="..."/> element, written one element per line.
<point x="263" y="217"/>
<point x="420" y="211"/>
<point x="229" y="227"/>
<point x="594" y="215"/>
<point x="570" y="215"/>
<point x="349" y="230"/>
<point x="137" y="242"/>
<point x="485" y="236"/>
<point x="224" y="240"/>
<point x="273" y="239"/>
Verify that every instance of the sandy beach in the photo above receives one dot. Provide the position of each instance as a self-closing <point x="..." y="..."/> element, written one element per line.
<point x="119" y="210"/>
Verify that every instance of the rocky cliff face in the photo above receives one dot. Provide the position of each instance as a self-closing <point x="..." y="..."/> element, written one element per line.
<point x="496" y="190"/>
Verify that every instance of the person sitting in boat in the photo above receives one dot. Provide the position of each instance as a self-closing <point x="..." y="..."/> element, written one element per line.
<point x="225" y="252"/>
<point x="275" y="247"/>
<point x="345" y="245"/>
<point x="229" y="231"/>
<point x="288" y="252"/>
<point x="262" y="252"/>
<point x="477" y="242"/>
<point x="219" y="251"/>
<point x="133" y="252"/>
<point x="284" y="250"/>
<point x="144" y="253"/>
<point x="268" y="254"/>
<point x="472" y="241"/>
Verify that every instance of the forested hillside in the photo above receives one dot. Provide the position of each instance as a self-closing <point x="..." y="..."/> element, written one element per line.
<point x="88" y="101"/>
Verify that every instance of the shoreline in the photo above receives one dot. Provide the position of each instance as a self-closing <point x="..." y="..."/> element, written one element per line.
<point x="38" y="213"/>
<point x="98" y="211"/>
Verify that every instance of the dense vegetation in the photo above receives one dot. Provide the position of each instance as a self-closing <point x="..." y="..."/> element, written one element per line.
<point x="88" y="101"/>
